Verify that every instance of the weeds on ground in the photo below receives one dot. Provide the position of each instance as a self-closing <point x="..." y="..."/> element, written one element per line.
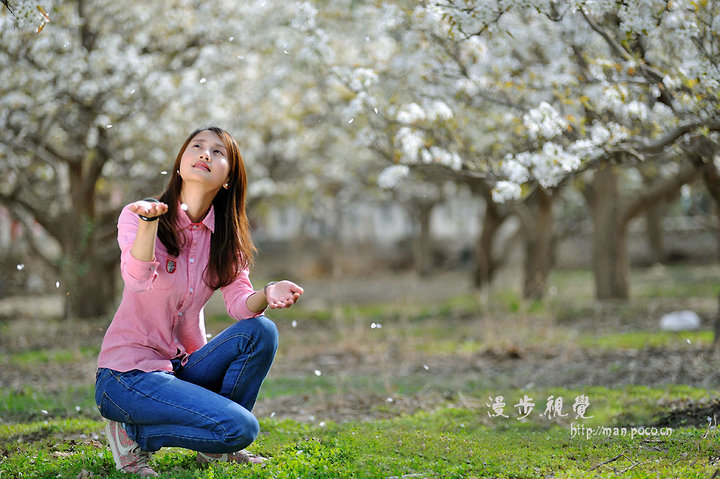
<point x="59" y="434"/>
<point x="460" y="439"/>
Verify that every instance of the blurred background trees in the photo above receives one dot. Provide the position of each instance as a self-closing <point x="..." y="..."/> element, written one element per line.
<point x="458" y="129"/>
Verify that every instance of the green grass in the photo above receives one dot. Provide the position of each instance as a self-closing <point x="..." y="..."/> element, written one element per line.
<point x="57" y="432"/>
<point x="449" y="442"/>
<point x="645" y="339"/>
<point x="36" y="357"/>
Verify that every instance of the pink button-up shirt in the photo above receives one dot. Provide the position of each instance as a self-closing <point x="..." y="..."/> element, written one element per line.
<point x="160" y="316"/>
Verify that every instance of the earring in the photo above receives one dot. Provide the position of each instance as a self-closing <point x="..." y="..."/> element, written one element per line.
<point x="226" y="186"/>
<point x="178" y="171"/>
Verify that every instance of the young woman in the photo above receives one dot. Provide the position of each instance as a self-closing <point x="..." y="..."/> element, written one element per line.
<point x="158" y="382"/>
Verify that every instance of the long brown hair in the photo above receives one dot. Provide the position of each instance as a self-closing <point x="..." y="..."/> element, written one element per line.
<point x="231" y="247"/>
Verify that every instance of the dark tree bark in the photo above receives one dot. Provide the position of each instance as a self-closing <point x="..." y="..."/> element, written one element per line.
<point x="486" y="261"/>
<point x="611" y="266"/>
<point x="423" y="242"/>
<point x="536" y="217"/>
<point x="611" y="263"/>
<point x="654" y="233"/>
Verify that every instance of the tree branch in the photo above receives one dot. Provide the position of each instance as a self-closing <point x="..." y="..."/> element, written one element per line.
<point x="663" y="190"/>
<point x="670" y="137"/>
<point x="652" y="74"/>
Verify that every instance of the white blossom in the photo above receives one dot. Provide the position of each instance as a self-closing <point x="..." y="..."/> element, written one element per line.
<point x="305" y="17"/>
<point x="362" y="78"/>
<point x="411" y="113"/>
<point x="391" y="176"/>
<point x="505" y="191"/>
<point x="544" y="121"/>
<point x="410" y="142"/>
<point x="439" y="110"/>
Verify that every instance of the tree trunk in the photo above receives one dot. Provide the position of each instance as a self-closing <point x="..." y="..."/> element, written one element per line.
<point x="716" y="329"/>
<point x="654" y="234"/>
<point x="486" y="264"/>
<point x="88" y="279"/>
<point x="86" y="267"/>
<point x="538" y="236"/>
<point x="611" y="264"/>
<point x="711" y="178"/>
<point x="423" y="243"/>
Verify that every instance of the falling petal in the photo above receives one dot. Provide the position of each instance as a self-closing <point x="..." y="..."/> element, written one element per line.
<point x="231" y="39"/>
<point x="208" y="335"/>
<point x="77" y="408"/>
<point x="20" y="267"/>
<point x="426" y="367"/>
<point x="390" y="400"/>
<point x="108" y="126"/>
<point x="163" y="172"/>
<point x="203" y="80"/>
<point x="322" y="424"/>
<point x="286" y="52"/>
<point x="294" y="324"/>
<point x="351" y="120"/>
<point x="44" y="411"/>
<point x="184" y="207"/>
<point x="317" y="372"/>
<point x="272" y="414"/>
<point x="240" y="57"/>
<point x="57" y="284"/>
<point x="132" y="91"/>
<point x="376" y="110"/>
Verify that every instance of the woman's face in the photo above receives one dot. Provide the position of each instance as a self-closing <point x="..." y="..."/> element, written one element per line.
<point x="205" y="161"/>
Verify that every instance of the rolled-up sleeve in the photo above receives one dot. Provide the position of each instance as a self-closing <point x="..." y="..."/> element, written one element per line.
<point x="236" y="294"/>
<point x="137" y="275"/>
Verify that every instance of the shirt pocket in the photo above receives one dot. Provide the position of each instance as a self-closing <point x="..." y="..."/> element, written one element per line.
<point x="167" y="271"/>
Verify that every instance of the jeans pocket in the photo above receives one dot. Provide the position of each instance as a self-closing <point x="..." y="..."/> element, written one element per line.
<point x="109" y="409"/>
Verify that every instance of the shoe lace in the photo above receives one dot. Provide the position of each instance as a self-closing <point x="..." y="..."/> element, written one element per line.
<point x="142" y="457"/>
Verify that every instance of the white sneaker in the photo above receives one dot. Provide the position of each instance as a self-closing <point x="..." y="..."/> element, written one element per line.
<point x="126" y="452"/>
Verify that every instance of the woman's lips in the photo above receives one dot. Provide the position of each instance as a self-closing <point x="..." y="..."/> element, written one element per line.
<point x="202" y="166"/>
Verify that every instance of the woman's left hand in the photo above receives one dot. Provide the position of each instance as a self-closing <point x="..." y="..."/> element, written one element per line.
<point x="282" y="294"/>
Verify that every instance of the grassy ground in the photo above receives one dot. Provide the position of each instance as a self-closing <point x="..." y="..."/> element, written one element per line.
<point x="407" y="388"/>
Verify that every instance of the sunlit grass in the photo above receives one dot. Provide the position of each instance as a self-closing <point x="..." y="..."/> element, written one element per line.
<point x="459" y="439"/>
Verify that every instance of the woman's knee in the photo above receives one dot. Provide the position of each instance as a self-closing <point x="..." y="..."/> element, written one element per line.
<point x="267" y="333"/>
<point x="240" y="431"/>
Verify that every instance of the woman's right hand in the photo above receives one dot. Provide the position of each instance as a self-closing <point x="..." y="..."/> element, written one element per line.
<point x="148" y="208"/>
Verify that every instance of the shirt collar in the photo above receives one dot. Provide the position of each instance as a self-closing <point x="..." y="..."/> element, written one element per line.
<point x="184" y="222"/>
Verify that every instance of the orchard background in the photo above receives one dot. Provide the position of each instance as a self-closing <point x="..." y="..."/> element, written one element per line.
<point x="541" y="177"/>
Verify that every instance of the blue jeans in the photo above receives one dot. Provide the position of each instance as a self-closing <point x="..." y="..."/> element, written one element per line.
<point x="205" y="405"/>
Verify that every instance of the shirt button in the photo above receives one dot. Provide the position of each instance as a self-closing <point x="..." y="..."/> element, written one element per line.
<point x="194" y="227"/>
<point x="180" y="313"/>
<point x="192" y="260"/>
<point x="191" y="290"/>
